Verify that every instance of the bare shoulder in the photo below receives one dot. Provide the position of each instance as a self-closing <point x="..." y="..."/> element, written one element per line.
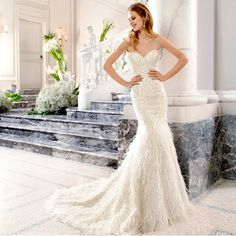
<point x="120" y="49"/>
<point x="122" y="46"/>
<point x="167" y="44"/>
<point x="127" y="44"/>
<point x="163" y="41"/>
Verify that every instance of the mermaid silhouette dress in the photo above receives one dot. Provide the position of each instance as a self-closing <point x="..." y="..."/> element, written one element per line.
<point x="147" y="192"/>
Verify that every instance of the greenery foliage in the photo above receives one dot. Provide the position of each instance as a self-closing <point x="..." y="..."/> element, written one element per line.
<point x="5" y="104"/>
<point x="13" y="97"/>
<point x="108" y="25"/>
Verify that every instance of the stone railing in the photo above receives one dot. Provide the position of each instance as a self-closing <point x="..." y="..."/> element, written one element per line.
<point x="91" y="60"/>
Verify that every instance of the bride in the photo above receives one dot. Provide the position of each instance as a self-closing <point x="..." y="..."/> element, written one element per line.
<point x="147" y="192"/>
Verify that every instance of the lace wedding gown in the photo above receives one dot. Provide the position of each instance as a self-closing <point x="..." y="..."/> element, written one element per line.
<point x="147" y="192"/>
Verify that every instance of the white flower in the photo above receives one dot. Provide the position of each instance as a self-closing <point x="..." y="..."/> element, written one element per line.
<point x="51" y="44"/>
<point x="56" y="97"/>
<point x="61" y="37"/>
<point x="51" y="70"/>
<point x="60" y="75"/>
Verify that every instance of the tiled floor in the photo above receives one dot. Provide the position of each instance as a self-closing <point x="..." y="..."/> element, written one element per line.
<point x="27" y="179"/>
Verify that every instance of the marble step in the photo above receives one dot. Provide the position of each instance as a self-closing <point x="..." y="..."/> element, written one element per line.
<point x="30" y="98"/>
<point x="17" y="111"/>
<point x="23" y="104"/>
<point x="20" y="104"/>
<point x="62" y="124"/>
<point x="59" y="137"/>
<point x="109" y="105"/>
<point x="30" y="91"/>
<point x="121" y="96"/>
<point x="66" y="151"/>
<point x="31" y="104"/>
<point x="94" y="115"/>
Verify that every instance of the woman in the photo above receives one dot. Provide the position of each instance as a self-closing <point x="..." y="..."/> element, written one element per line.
<point x="147" y="192"/>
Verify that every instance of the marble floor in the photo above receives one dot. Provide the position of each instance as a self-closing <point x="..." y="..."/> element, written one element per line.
<point x="27" y="179"/>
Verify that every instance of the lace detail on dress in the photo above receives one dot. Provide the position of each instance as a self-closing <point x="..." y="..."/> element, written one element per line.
<point x="149" y="96"/>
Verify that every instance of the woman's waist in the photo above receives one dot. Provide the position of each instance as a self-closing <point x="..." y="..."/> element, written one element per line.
<point x="148" y="85"/>
<point x="148" y="80"/>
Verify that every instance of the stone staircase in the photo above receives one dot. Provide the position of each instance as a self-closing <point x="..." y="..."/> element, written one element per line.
<point x="28" y="99"/>
<point x="89" y="136"/>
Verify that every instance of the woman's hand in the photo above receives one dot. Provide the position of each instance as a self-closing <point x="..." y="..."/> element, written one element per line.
<point x="155" y="74"/>
<point x="134" y="81"/>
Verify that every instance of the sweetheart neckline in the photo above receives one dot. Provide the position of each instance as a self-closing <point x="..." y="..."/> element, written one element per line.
<point x="143" y="56"/>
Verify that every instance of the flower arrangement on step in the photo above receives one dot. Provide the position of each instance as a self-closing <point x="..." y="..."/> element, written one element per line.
<point x="55" y="98"/>
<point x="7" y="99"/>
<point x="5" y="104"/>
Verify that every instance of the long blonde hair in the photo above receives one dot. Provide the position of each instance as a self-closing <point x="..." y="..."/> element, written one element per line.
<point x="144" y="12"/>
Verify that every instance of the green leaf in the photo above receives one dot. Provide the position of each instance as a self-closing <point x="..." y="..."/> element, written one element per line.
<point x="48" y="36"/>
<point x="76" y="91"/>
<point x="108" y="26"/>
<point x="56" y="77"/>
<point x="13" y="97"/>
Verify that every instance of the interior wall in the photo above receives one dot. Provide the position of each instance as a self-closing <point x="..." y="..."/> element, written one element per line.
<point x="60" y="13"/>
<point x="225" y="45"/>
<point x="7" y="56"/>
<point x="93" y="12"/>
<point x="205" y="44"/>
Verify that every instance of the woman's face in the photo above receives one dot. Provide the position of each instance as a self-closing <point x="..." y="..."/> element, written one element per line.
<point x="135" y="20"/>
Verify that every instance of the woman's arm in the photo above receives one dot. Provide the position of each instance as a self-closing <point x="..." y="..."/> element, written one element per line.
<point x="107" y="66"/>
<point x="183" y="60"/>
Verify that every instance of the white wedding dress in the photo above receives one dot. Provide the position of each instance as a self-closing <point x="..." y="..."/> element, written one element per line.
<point x="147" y="192"/>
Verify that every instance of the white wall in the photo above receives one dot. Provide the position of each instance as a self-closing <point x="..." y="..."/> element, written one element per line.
<point x="225" y="45"/>
<point x="92" y="12"/>
<point x="62" y="14"/>
<point x="7" y="57"/>
<point x="205" y="44"/>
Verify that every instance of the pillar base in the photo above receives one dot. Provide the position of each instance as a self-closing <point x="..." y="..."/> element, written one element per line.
<point x="211" y="95"/>
<point x="226" y="95"/>
<point x="83" y="99"/>
<point x="187" y="99"/>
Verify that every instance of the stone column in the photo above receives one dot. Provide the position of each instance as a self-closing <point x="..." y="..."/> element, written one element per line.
<point x="177" y="21"/>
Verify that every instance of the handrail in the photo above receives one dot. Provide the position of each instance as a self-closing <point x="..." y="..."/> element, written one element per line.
<point x="91" y="60"/>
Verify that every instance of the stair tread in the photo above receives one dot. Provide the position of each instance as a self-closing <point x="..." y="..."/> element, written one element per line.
<point x="20" y="102"/>
<point x="21" y="110"/>
<point x="56" y="118"/>
<point x="57" y="145"/>
<point x="120" y="93"/>
<point x="114" y="102"/>
<point x="97" y="111"/>
<point x="29" y="95"/>
<point x="27" y="89"/>
<point x="54" y="131"/>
